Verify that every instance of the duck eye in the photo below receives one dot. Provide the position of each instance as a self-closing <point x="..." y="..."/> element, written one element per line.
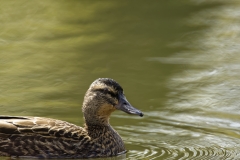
<point x="105" y="90"/>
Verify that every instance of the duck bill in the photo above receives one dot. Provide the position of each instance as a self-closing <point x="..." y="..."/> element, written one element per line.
<point x="125" y="106"/>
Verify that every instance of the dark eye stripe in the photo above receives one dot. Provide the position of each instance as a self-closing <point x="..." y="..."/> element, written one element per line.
<point x="107" y="92"/>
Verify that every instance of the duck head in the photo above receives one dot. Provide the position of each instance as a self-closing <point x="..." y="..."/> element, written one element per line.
<point x="102" y="98"/>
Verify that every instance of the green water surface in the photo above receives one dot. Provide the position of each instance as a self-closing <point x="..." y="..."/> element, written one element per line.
<point x="177" y="61"/>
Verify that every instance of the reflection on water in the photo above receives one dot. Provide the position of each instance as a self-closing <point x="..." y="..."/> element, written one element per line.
<point x="177" y="62"/>
<point x="203" y="99"/>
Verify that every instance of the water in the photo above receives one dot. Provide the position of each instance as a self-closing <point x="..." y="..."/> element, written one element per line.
<point x="177" y="61"/>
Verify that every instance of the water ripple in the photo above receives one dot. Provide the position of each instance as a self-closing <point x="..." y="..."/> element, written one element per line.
<point x="202" y="153"/>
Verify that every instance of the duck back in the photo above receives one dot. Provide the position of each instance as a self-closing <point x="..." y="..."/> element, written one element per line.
<point x="42" y="138"/>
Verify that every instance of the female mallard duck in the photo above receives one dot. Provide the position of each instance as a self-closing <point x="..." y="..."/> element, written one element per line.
<point x="49" y="138"/>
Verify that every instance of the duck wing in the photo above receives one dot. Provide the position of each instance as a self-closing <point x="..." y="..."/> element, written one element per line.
<point x="40" y="137"/>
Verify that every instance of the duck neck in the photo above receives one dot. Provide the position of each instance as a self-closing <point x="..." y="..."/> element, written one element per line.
<point x="97" y="115"/>
<point x="96" y="131"/>
<point x="107" y="137"/>
<point x="96" y="121"/>
<point x="104" y="135"/>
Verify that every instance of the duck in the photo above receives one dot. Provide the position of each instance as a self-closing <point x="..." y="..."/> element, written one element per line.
<point x="40" y="137"/>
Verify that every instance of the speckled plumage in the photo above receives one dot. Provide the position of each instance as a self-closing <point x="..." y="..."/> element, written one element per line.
<point x="49" y="138"/>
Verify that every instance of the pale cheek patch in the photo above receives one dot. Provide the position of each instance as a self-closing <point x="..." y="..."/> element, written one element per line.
<point x="106" y="110"/>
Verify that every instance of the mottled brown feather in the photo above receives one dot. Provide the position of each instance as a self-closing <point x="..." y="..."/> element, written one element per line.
<point x="44" y="140"/>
